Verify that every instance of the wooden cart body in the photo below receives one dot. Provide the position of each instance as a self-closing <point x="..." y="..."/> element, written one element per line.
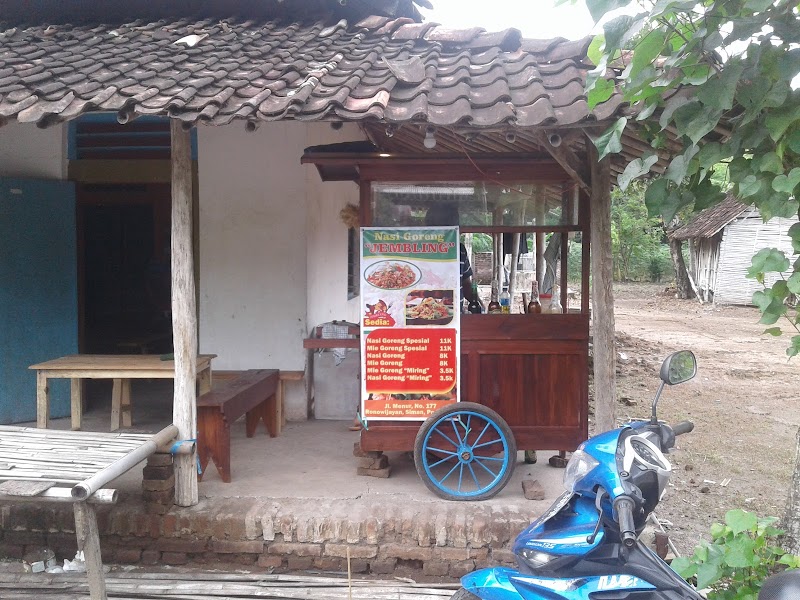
<point x="532" y="370"/>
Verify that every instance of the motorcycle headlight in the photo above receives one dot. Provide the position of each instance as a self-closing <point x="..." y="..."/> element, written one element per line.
<point x="534" y="558"/>
<point x="577" y="467"/>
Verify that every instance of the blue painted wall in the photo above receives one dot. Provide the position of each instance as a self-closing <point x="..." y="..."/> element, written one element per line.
<point x="38" y="291"/>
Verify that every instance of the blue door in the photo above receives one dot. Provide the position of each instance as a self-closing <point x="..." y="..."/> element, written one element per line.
<point x="38" y="291"/>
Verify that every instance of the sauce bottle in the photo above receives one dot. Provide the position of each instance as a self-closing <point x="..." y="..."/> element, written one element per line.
<point x="534" y="306"/>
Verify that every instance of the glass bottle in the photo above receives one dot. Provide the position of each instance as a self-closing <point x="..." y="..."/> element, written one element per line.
<point x="505" y="301"/>
<point x="534" y="306"/>
<point x="494" y="305"/>
<point x="475" y="306"/>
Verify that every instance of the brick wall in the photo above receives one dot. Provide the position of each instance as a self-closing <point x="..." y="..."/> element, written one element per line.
<point x="268" y="534"/>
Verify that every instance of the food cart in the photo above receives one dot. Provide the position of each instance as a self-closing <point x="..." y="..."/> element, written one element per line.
<point x="523" y="378"/>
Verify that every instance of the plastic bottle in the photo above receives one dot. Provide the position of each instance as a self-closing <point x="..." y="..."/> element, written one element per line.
<point x="505" y="301"/>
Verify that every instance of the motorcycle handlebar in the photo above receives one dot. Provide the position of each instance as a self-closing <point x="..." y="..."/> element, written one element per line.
<point x="683" y="427"/>
<point x="624" y="507"/>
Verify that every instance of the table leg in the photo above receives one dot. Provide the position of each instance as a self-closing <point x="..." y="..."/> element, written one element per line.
<point x="42" y="400"/>
<point x="116" y="404"/>
<point x="89" y="541"/>
<point x="76" y="399"/>
<point x="125" y="404"/>
<point x="204" y="381"/>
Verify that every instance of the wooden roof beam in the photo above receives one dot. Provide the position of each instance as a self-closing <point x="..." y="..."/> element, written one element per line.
<point x="554" y="144"/>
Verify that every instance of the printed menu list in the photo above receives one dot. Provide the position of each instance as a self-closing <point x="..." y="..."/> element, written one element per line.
<point x="409" y="373"/>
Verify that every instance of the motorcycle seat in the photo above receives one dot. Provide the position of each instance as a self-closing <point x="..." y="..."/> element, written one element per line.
<point x="782" y="586"/>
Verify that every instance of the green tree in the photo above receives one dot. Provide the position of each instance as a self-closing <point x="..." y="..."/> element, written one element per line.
<point x="713" y="79"/>
<point x="635" y="236"/>
<point x="717" y="80"/>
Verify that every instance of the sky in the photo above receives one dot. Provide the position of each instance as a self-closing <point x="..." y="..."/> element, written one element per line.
<point x="535" y="18"/>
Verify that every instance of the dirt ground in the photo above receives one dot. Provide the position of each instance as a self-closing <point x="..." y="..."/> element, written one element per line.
<point x="743" y="401"/>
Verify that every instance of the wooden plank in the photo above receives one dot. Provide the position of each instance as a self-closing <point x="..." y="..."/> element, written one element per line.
<point x="24" y="488"/>
<point x="573" y="327"/>
<point x="602" y="261"/>
<point x="89" y="541"/>
<point x="184" y="313"/>
<point x="113" y="362"/>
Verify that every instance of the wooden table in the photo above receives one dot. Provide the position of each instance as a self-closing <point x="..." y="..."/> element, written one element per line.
<point x="119" y="367"/>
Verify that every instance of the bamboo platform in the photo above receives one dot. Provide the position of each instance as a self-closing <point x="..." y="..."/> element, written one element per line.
<point x="194" y="585"/>
<point x="63" y="457"/>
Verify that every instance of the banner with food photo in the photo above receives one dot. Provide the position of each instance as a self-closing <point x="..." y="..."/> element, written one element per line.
<point x="410" y="319"/>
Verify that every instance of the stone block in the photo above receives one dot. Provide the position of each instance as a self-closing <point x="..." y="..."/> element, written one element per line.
<point x="295" y="549"/>
<point x="159" y="497"/>
<point x="504" y="556"/>
<point x="379" y="462"/>
<point x="299" y="563"/>
<point x="451" y="554"/>
<point x="461" y="568"/>
<point x="328" y="563"/>
<point x="266" y="561"/>
<point x="532" y="489"/>
<point x="150" y="557"/>
<point x="359" y="453"/>
<point x="174" y="558"/>
<point x="25" y="538"/>
<point x="356" y="551"/>
<point x="159" y="459"/>
<point x="358" y="565"/>
<point x="383" y="566"/>
<point x="158" y="473"/>
<point x="405" y="552"/>
<point x="237" y="547"/>
<point x="155" y="508"/>
<point x="435" y="568"/>
<point x="381" y="473"/>
<point x="128" y="556"/>
<point x="190" y="545"/>
<point x="159" y="485"/>
<point x="15" y="551"/>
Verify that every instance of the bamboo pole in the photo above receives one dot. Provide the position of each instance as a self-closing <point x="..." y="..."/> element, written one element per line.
<point x="88" y="487"/>
<point x="64" y="494"/>
<point x="184" y="313"/>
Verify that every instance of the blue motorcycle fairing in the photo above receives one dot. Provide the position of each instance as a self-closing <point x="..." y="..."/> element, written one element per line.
<point x="603" y="448"/>
<point x="507" y="584"/>
<point x="564" y="533"/>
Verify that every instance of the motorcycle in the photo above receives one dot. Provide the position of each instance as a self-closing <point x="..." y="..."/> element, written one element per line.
<point x="586" y="544"/>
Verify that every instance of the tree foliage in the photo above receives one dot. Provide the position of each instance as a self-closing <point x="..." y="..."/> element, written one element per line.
<point x="714" y="77"/>
<point x="636" y="237"/>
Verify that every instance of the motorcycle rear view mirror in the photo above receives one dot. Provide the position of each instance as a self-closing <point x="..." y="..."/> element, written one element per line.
<point x="678" y="367"/>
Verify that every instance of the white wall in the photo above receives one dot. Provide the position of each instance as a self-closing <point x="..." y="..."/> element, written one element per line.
<point x="27" y="151"/>
<point x="273" y="251"/>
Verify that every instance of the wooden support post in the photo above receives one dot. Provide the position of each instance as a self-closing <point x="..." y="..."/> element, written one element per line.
<point x="76" y="402"/>
<point x="89" y="542"/>
<point x="605" y="389"/>
<point x="184" y="313"/>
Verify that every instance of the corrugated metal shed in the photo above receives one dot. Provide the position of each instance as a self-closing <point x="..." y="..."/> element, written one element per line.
<point x="708" y="223"/>
<point x="740" y="241"/>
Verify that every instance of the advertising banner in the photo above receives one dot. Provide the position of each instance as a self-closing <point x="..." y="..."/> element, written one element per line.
<point x="410" y="320"/>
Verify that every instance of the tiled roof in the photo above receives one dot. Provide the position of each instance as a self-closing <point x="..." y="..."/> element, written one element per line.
<point x="709" y="222"/>
<point x="217" y="71"/>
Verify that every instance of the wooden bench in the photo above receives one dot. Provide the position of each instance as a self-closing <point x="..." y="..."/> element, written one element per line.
<point x="253" y="393"/>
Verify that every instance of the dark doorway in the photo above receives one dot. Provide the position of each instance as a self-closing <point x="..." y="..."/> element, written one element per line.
<point x="124" y="236"/>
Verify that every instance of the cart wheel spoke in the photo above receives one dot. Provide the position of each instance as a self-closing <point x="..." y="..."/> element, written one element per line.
<point x="487" y="444"/>
<point x="488" y="470"/>
<point x="478" y="439"/>
<point x="444" y="435"/>
<point x="450" y="472"/>
<point x="474" y="477"/>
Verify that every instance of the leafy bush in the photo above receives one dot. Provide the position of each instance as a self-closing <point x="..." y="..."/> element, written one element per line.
<point x="741" y="554"/>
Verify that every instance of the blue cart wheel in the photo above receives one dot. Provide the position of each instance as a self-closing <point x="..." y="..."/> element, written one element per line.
<point x="465" y="451"/>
